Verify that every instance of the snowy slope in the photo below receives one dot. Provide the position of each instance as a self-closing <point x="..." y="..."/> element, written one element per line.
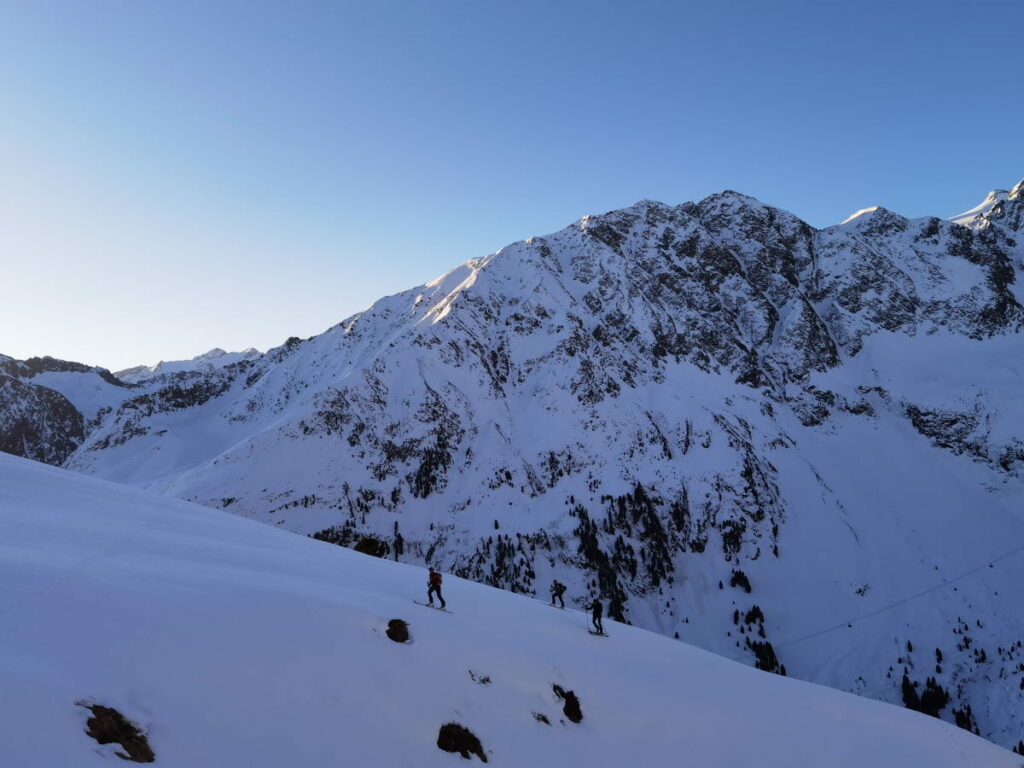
<point x="665" y="405"/>
<point x="233" y="644"/>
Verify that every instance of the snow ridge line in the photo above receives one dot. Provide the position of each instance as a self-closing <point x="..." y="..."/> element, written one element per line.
<point x="904" y="601"/>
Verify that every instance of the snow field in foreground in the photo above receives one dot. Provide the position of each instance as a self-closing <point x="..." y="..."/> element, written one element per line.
<point x="234" y="644"/>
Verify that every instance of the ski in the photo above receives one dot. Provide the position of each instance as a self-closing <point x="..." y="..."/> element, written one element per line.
<point x="436" y="608"/>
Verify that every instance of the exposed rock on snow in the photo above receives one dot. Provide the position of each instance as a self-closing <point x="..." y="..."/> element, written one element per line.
<point x="572" y="708"/>
<point x="457" y="738"/>
<point x="398" y="630"/>
<point x="108" y="726"/>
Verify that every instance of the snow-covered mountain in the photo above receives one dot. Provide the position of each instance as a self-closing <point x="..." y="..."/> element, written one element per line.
<point x="194" y="638"/>
<point x="208" y="362"/>
<point x="794" y="447"/>
<point x="48" y="406"/>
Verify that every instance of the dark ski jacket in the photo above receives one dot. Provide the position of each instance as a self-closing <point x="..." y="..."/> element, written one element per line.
<point x="435" y="579"/>
<point x="596" y="608"/>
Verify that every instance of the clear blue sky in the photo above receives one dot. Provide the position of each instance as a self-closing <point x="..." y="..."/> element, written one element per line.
<point x="181" y="175"/>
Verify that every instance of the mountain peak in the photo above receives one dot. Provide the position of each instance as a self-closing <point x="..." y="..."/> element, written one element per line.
<point x="646" y="202"/>
<point x="872" y="220"/>
<point x="992" y="199"/>
<point x="640" y="207"/>
<point x="729" y="197"/>
<point x="213" y="354"/>
<point x="862" y="212"/>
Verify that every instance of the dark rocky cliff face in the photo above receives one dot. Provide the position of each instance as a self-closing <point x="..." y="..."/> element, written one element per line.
<point x="38" y="423"/>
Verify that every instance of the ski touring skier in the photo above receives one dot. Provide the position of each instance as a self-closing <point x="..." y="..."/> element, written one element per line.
<point x="596" y="611"/>
<point x="434" y="587"/>
<point x="557" y="590"/>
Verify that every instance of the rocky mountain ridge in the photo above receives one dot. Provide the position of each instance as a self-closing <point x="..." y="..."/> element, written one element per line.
<point x="204" y="363"/>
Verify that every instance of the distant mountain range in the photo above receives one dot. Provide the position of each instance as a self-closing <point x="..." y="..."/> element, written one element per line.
<point x="795" y="447"/>
<point x="204" y="363"/>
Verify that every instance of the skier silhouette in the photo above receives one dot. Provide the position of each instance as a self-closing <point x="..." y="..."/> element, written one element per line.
<point x="596" y="610"/>
<point x="557" y="590"/>
<point x="434" y="587"/>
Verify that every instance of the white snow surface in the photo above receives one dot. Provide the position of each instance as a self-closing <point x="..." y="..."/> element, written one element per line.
<point x="944" y="372"/>
<point x="88" y="392"/>
<point x="236" y="645"/>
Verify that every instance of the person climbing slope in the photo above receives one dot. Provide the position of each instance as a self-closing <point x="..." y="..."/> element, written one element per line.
<point x="596" y="611"/>
<point x="434" y="587"/>
<point x="557" y="590"/>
